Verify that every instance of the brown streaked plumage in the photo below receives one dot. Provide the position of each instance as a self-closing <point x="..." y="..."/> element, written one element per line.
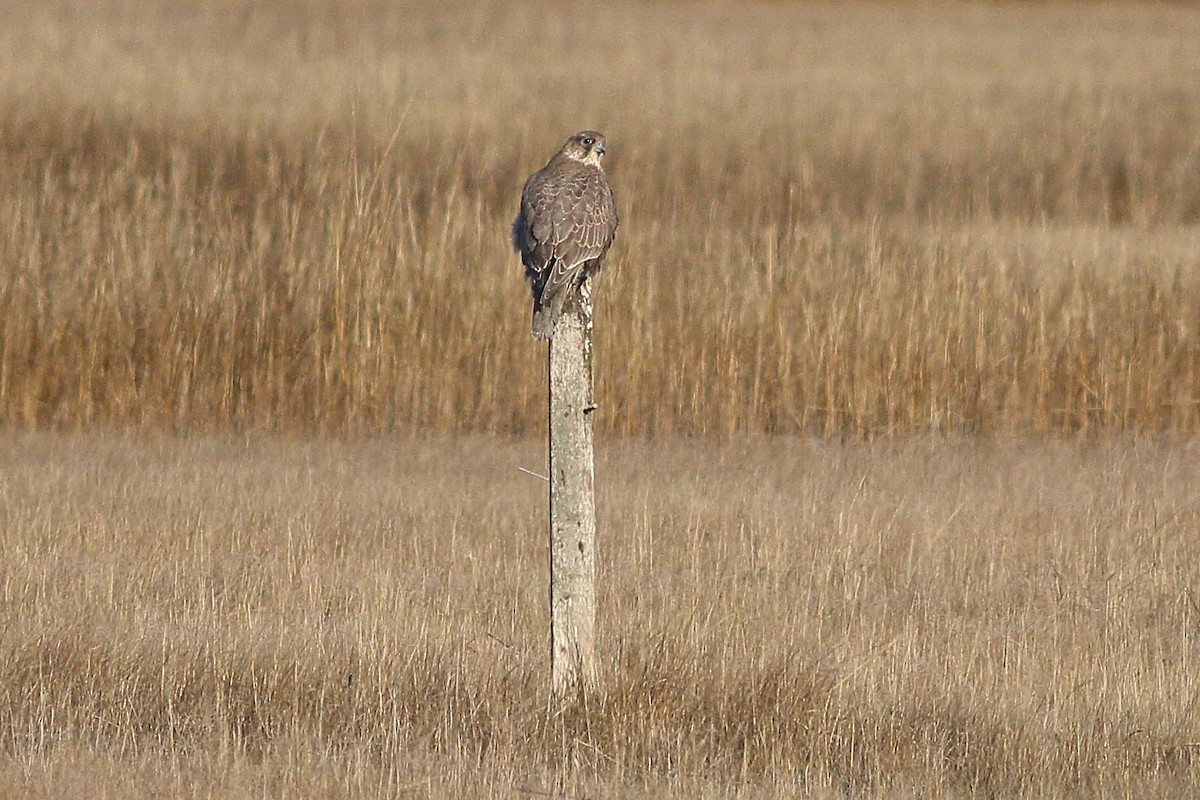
<point x="566" y="224"/>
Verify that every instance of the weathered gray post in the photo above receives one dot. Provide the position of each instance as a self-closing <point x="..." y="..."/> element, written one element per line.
<point x="572" y="502"/>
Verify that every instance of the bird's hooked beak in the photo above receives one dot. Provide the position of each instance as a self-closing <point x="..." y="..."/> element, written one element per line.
<point x="600" y="149"/>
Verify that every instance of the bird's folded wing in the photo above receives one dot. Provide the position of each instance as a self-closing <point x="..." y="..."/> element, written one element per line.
<point x="581" y="231"/>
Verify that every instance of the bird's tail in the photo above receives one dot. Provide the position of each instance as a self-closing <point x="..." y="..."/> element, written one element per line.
<point x="543" y="321"/>
<point x="548" y="307"/>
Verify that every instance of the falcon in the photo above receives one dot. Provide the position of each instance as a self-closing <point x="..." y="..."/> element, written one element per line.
<point x="566" y="224"/>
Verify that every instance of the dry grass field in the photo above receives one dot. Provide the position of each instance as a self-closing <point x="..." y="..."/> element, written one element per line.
<point x="252" y="617"/>
<point x="898" y="365"/>
<point x="838" y="219"/>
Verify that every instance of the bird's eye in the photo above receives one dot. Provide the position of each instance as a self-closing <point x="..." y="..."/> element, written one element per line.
<point x="588" y="141"/>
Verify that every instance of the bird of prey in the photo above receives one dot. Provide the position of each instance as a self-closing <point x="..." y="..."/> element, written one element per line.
<point x="566" y="224"/>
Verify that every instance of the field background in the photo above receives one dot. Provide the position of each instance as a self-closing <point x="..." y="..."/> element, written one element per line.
<point x="898" y="364"/>
<point x="837" y="220"/>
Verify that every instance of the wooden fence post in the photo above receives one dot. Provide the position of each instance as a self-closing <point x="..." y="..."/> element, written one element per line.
<point x="572" y="503"/>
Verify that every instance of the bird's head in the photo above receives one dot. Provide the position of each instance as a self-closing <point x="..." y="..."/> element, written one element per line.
<point x="585" y="146"/>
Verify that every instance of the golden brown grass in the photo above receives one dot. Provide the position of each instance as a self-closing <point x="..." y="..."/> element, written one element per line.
<point x="936" y="618"/>
<point x="837" y="219"/>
